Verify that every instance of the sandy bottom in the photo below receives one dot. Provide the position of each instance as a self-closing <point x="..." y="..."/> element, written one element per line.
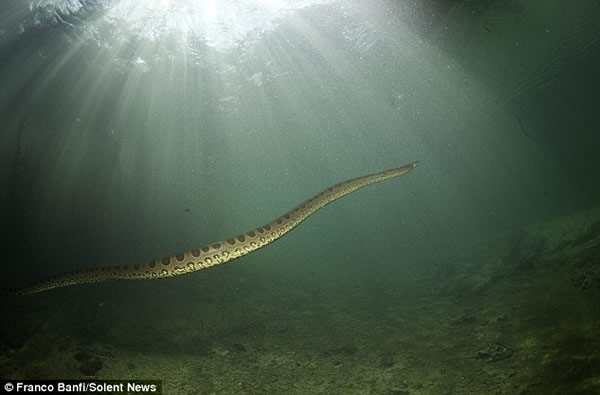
<point x="517" y="315"/>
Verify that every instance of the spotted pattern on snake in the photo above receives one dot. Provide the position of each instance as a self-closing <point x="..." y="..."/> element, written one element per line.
<point x="214" y="254"/>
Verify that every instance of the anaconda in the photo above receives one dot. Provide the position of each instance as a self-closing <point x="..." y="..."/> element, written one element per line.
<point x="216" y="253"/>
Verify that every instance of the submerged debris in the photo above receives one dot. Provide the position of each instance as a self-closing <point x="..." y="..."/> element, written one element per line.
<point x="91" y="366"/>
<point x="388" y="360"/>
<point x="495" y="352"/>
<point x="492" y="353"/>
<point x="343" y="350"/>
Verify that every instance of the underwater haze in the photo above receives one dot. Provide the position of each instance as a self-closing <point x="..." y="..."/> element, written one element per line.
<point x="134" y="130"/>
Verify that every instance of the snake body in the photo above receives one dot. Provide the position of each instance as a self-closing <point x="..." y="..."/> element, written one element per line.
<point x="213" y="254"/>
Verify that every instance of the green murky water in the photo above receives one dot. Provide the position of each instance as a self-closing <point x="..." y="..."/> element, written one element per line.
<point x="132" y="131"/>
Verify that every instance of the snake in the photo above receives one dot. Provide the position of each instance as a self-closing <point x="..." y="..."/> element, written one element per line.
<point x="214" y="254"/>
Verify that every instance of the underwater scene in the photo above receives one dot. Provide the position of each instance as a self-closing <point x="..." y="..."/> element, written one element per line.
<point x="455" y="143"/>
